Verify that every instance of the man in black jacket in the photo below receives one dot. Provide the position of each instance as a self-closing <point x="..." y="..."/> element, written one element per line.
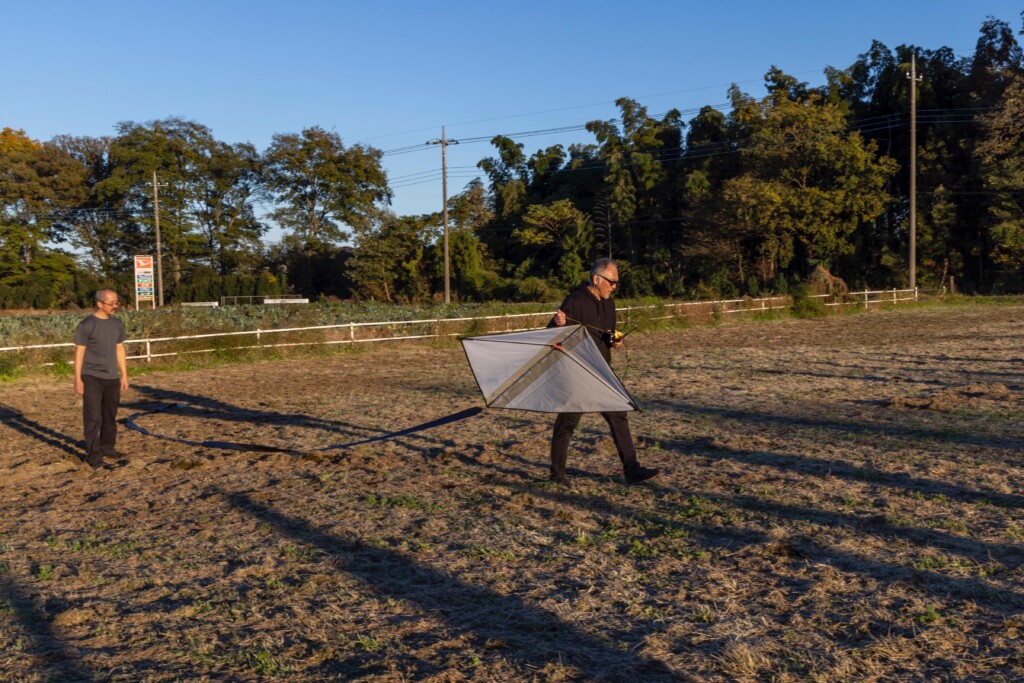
<point x="591" y="305"/>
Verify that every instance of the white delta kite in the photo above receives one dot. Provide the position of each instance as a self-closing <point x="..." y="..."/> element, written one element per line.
<point x="554" y="370"/>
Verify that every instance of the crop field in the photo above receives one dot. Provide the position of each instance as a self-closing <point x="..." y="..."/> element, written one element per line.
<point x="842" y="499"/>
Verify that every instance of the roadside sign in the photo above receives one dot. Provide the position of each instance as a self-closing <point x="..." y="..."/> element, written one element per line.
<point x="144" y="283"/>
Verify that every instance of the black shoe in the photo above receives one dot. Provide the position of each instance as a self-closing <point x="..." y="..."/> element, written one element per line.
<point x="561" y="481"/>
<point x="640" y="474"/>
<point x="95" y="461"/>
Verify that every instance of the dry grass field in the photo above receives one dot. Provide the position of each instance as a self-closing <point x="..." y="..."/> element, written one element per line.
<point x="843" y="500"/>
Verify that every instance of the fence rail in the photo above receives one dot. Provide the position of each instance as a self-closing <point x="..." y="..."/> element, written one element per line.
<point x="434" y="328"/>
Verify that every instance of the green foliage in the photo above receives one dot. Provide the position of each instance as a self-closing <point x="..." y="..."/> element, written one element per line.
<point x="390" y="263"/>
<point x="929" y="616"/>
<point x="207" y="285"/>
<point x="805" y="304"/>
<point x="322" y="186"/>
<point x="742" y="201"/>
<point x="532" y="289"/>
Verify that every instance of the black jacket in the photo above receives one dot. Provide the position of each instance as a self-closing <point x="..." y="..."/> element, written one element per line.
<point x="581" y="307"/>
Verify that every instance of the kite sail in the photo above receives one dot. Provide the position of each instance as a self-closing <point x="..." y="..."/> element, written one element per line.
<point x="554" y="370"/>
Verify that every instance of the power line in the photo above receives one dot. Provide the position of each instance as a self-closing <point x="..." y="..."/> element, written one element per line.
<point x="584" y="106"/>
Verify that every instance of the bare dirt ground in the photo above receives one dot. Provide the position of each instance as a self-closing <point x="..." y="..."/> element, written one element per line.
<point x="843" y="500"/>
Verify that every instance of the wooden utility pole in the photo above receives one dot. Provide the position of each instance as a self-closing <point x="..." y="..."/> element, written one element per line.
<point x="912" y="260"/>
<point x="444" y="142"/>
<point x="156" y="227"/>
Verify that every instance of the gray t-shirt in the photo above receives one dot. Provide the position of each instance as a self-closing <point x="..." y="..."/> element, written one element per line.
<point x="100" y="338"/>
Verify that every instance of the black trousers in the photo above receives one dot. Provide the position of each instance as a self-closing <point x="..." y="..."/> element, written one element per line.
<point x="99" y="415"/>
<point x="565" y="425"/>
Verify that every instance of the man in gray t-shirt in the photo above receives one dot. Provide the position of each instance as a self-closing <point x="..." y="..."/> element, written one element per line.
<point x="101" y="374"/>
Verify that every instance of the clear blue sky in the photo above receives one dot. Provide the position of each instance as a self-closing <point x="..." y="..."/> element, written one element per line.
<point x="391" y="73"/>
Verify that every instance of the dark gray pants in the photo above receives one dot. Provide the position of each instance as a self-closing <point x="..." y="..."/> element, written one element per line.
<point x="565" y="425"/>
<point x="99" y="415"/>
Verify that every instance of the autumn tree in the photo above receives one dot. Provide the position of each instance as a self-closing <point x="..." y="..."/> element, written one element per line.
<point x="37" y="181"/>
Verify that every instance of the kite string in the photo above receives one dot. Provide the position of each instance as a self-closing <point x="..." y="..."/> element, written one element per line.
<point x="594" y="327"/>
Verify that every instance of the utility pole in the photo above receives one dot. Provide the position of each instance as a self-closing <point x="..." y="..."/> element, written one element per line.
<point x="156" y="226"/>
<point x="444" y="142"/>
<point x="914" y="80"/>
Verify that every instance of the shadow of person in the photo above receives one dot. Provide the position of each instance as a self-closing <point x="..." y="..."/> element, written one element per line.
<point x="535" y="638"/>
<point x="16" y="420"/>
<point x="53" y="658"/>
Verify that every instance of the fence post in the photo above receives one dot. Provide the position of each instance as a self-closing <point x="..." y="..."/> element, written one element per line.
<point x="915" y="294"/>
<point x="149" y="351"/>
<point x="259" y="341"/>
<point x="865" y="298"/>
<point x="351" y="331"/>
<point x="894" y="295"/>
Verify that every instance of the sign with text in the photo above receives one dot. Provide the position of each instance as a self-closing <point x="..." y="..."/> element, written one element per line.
<point x="144" y="287"/>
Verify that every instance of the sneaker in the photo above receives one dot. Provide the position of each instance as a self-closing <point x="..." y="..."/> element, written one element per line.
<point x="640" y="474"/>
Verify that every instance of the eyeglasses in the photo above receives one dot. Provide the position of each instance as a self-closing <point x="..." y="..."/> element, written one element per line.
<point x="609" y="280"/>
<point x="110" y="303"/>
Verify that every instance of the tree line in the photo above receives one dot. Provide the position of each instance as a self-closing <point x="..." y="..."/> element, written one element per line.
<point x="737" y="202"/>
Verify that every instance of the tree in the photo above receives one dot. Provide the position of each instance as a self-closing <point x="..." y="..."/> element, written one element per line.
<point x="229" y="183"/>
<point x="632" y="155"/>
<point x="173" y="148"/>
<point x="389" y="261"/>
<point x="323" y="186"/>
<point x="37" y="180"/>
<point x="101" y="225"/>
<point x="469" y="211"/>
<point x="562" y="237"/>
<point x="1000" y="156"/>
<point x="807" y="185"/>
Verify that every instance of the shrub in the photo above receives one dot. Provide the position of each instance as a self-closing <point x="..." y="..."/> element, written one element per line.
<point x="805" y="305"/>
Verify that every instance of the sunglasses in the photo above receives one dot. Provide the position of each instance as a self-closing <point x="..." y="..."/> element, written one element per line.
<point x="610" y="281"/>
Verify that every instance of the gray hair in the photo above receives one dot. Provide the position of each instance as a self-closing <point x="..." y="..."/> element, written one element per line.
<point x="101" y="292"/>
<point x="601" y="265"/>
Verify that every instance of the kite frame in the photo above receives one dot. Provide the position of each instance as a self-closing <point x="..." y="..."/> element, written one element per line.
<point x="549" y="348"/>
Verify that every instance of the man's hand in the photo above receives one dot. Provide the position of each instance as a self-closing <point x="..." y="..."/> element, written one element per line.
<point x="79" y="386"/>
<point x="124" y="382"/>
<point x="559" y="317"/>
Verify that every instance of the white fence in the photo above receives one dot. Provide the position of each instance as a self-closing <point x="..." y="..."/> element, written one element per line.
<point x="263" y="299"/>
<point x="398" y="330"/>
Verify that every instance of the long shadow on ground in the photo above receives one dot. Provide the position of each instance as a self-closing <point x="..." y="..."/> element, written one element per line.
<point x="53" y="658"/>
<point x="196" y="406"/>
<point x="914" y="432"/>
<point x="13" y="418"/>
<point x="832" y="468"/>
<point x="534" y="638"/>
<point x="811" y="550"/>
